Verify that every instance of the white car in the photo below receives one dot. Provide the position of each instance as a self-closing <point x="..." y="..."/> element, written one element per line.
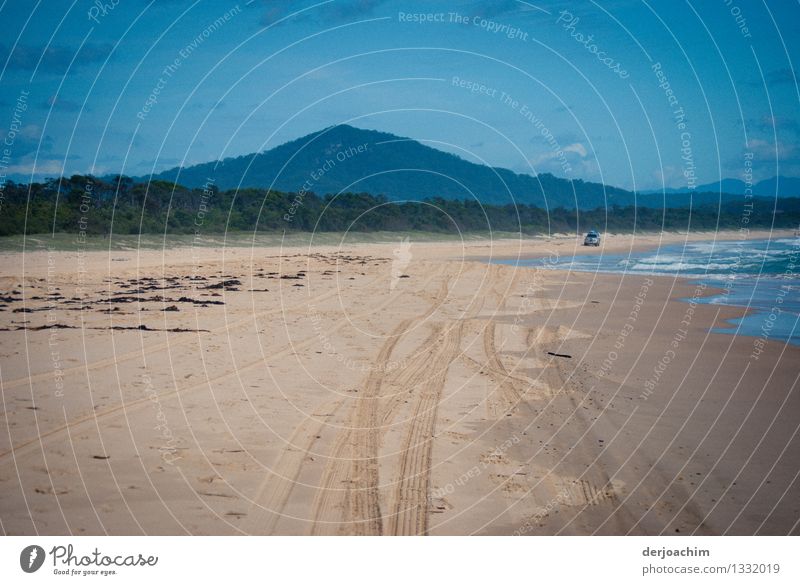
<point x="592" y="239"/>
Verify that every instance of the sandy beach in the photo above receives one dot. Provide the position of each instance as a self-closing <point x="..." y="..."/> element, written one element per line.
<point x="385" y="389"/>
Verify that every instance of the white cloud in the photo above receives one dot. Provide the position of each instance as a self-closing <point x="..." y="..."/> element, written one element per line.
<point x="52" y="167"/>
<point x="572" y="162"/>
<point x="577" y="148"/>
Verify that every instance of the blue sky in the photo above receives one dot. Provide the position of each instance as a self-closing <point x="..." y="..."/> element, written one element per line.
<point x="573" y="93"/>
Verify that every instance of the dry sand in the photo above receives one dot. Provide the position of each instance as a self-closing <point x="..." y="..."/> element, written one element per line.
<point x="383" y="389"/>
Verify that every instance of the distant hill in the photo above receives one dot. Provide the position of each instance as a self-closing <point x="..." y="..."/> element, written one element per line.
<point x="346" y="159"/>
<point x="776" y="186"/>
<point x="343" y="158"/>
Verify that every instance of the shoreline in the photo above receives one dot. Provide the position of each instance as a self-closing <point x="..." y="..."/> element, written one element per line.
<point x="712" y="283"/>
<point x="648" y="241"/>
<point x="151" y="242"/>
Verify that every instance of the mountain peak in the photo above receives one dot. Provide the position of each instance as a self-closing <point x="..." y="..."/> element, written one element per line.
<point x="347" y="158"/>
<point x="344" y="158"/>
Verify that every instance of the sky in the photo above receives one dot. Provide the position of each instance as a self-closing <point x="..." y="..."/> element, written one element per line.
<point x="636" y="94"/>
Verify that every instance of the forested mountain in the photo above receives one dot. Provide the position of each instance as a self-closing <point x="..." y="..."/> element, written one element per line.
<point x="774" y="187"/>
<point x="344" y="178"/>
<point x="343" y="158"/>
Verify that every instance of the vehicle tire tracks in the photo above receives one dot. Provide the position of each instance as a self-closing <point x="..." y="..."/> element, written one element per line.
<point x="272" y="496"/>
<point x="354" y="457"/>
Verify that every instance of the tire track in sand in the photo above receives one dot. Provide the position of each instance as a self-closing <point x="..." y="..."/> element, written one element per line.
<point x="507" y="395"/>
<point x="409" y="506"/>
<point x="362" y="505"/>
<point x="350" y="481"/>
<point x="272" y="496"/>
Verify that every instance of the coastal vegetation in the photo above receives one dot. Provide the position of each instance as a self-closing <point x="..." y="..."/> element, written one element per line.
<point x="122" y="206"/>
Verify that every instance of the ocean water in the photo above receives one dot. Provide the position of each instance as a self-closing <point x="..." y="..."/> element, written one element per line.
<point x="762" y="275"/>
